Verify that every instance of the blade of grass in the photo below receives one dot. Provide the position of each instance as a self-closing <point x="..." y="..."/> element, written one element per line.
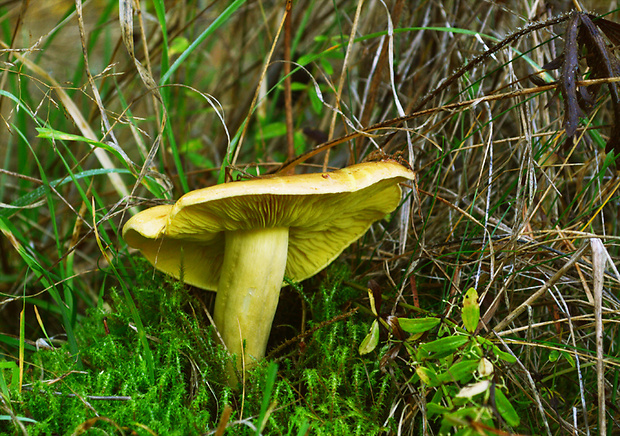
<point x="28" y="199"/>
<point x="272" y="372"/>
<point x="66" y="305"/>
<point x="22" y="340"/>
<point x="599" y="261"/>
<point x="168" y="72"/>
<point x="217" y="23"/>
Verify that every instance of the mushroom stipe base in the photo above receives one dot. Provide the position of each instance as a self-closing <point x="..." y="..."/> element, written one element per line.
<point x="249" y="289"/>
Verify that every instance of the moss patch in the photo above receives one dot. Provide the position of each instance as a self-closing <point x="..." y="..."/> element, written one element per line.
<point x="322" y="384"/>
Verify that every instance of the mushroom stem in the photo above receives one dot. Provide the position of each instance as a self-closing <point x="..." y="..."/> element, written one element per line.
<point x="249" y="288"/>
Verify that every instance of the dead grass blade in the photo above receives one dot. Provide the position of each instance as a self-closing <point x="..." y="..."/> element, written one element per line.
<point x="599" y="260"/>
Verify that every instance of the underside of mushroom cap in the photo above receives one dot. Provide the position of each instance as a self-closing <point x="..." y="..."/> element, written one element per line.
<point x="325" y="213"/>
<point x="196" y="263"/>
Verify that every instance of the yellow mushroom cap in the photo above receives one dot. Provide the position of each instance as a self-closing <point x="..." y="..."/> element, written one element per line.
<point x="324" y="212"/>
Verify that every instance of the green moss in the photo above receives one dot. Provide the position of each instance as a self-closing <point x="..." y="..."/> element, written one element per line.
<point x="327" y="386"/>
<point x="334" y="388"/>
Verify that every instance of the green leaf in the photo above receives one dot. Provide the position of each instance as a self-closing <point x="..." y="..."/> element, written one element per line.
<point x="460" y="372"/>
<point x="303" y="428"/>
<point x="272" y="372"/>
<point x="299" y="142"/>
<point x="193" y="145"/>
<point x="436" y="409"/>
<point x="200" y="161"/>
<point x="461" y="417"/>
<point x="554" y="355"/>
<point x="427" y="375"/>
<point x="505" y="409"/>
<point x="14" y="370"/>
<point x="48" y="133"/>
<point x="418" y="325"/>
<point x="503" y="355"/>
<point x="435" y="406"/>
<point x="448" y="344"/>
<point x="273" y="130"/>
<point x="178" y="45"/>
<point x="298" y="86"/>
<point x="471" y="310"/>
<point x="327" y="66"/>
<point x="569" y="357"/>
<point x="371" y="340"/>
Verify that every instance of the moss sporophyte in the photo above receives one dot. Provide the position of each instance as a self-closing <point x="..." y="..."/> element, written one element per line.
<point x="242" y="238"/>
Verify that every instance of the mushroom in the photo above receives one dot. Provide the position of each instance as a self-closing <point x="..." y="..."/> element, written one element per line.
<point x="242" y="238"/>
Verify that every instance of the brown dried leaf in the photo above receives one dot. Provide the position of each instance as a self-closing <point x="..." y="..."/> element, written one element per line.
<point x="568" y="79"/>
<point x="395" y="327"/>
<point x="610" y="28"/>
<point x="389" y="357"/>
<point x="582" y="34"/>
<point x="603" y="64"/>
<point x="554" y="64"/>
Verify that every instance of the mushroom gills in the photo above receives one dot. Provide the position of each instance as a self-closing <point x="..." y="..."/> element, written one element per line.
<point x="249" y="289"/>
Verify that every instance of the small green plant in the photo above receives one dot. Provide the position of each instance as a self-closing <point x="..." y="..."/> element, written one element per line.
<point x="455" y="369"/>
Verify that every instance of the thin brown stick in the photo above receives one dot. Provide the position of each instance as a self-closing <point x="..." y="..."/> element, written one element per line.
<point x="343" y="74"/>
<point x="288" y="93"/>
<point x="599" y="261"/>
<point x="221" y="426"/>
<point x="307" y="333"/>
